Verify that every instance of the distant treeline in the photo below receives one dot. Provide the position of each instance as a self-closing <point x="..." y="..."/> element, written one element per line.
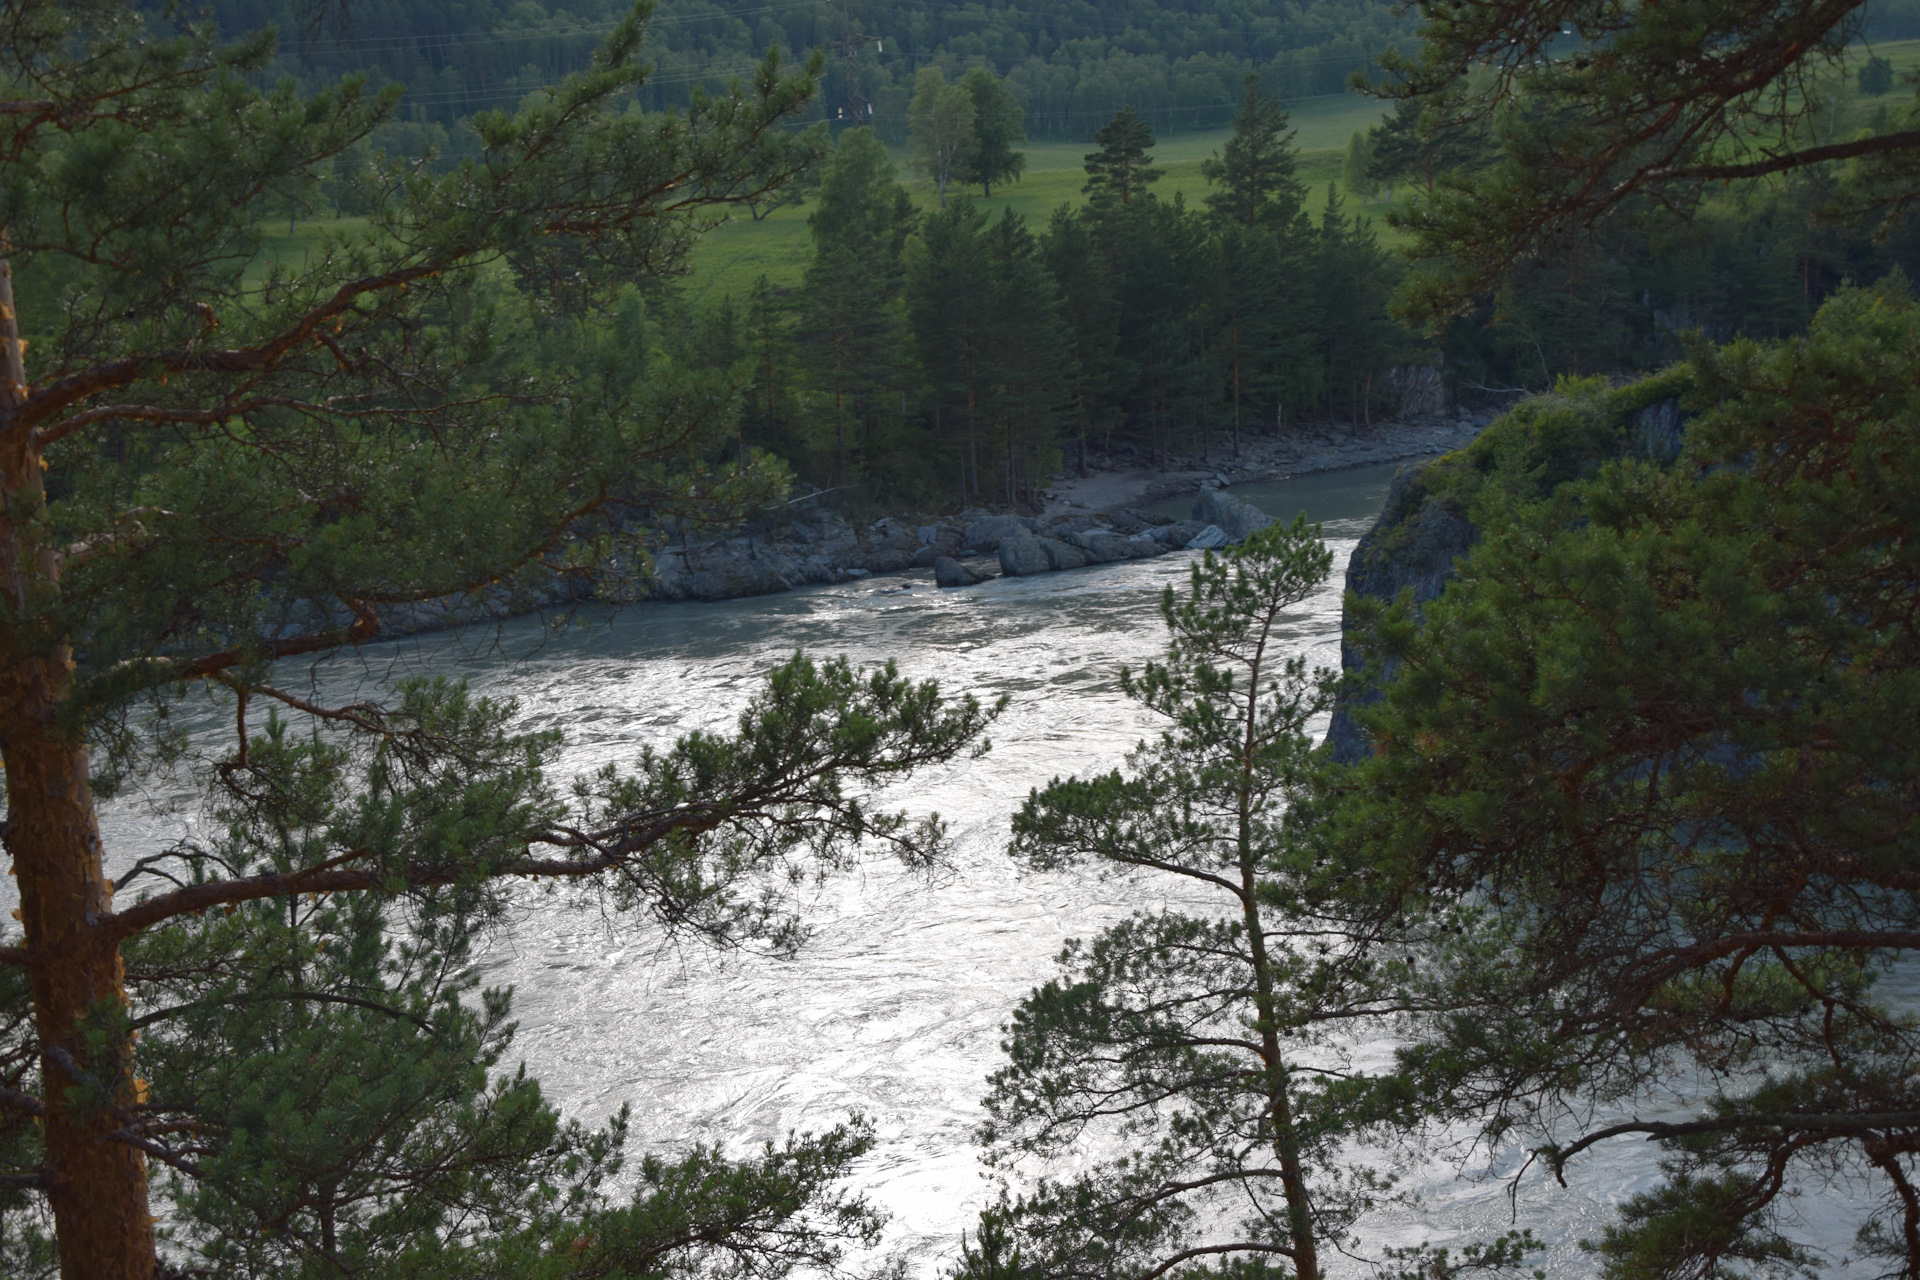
<point x="954" y="356"/>
<point x="1071" y="64"/>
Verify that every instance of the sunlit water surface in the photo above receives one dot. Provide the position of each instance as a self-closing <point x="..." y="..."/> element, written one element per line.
<point x="894" y="1008"/>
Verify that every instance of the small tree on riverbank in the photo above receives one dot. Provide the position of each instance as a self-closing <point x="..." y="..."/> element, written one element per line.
<point x="1197" y="1040"/>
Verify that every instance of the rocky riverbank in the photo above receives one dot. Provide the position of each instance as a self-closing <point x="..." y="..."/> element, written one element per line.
<point x="1086" y="520"/>
<point x="1125" y="482"/>
<point x="1095" y="519"/>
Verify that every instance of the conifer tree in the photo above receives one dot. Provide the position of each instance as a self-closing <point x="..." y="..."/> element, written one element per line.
<point x="850" y="299"/>
<point x="1649" y="111"/>
<point x="1652" y="757"/>
<point x="1196" y="1042"/>
<point x="1259" y="304"/>
<point x="950" y="308"/>
<point x="1254" y="178"/>
<point x="1359" y="340"/>
<point x="1120" y="168"/>
<point x="210" y="462"/>
<point x="1091" y="314"/>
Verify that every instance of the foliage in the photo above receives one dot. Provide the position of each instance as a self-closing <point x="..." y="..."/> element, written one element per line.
<point x="940" y="128"/>
<point x="206" y="467"/>
<point x="1199" y="1043"/>
<point x="1122" y="163"/>
<point x="1576" y="113"/>
<point x="1652" y="754"/>
<point x="1070" y="65"/>
<point x="850" y="300"/>
<point x="997" y="125"/>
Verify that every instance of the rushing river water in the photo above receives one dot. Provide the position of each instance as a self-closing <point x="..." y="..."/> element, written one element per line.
<point x="894" y="1007"/>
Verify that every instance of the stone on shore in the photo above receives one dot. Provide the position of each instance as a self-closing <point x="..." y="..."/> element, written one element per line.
<point x="1103" y="546"/>
<point x="1179" y="533"/>
<point x="986" y="533"/>
<point x="1211" y="538"/>
<point x="948" y="572"/>
<point x="1021" y="554"/>
<point x="1235" y="518"/>
<point x="1061" y="555"/>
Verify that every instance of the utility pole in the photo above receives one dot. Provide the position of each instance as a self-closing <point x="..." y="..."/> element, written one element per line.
<point x="856" y="109"/>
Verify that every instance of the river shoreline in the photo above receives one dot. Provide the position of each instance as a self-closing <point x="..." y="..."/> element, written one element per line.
<point x="1091" y="519"/>
<point x="1310" y="451"/>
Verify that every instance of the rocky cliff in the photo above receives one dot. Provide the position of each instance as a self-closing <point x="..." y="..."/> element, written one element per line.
<point x="1427" y="524"/>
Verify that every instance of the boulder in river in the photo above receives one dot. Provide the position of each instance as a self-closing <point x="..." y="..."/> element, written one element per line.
<point x="1211" y="538"/>
<point x="1021" y="554"/>
<point x="1103" y="546"/>
<point x="1236" y="518"/>
<point x="986" y="533"/>
<point x="1061" y="555"/>
<point x="948" y="572"/>
<point x="1179" y="533"/>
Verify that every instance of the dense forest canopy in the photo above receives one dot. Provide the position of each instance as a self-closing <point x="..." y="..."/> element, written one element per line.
<point x="1072" y="65"/>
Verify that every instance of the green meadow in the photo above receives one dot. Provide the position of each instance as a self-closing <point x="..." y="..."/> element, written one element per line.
<point x="732" y="256"/>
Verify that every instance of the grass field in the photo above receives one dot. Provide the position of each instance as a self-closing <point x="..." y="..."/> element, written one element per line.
<point x="729" y="259"/>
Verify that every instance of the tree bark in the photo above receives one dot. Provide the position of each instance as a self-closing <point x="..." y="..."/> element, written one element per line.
<point x="96" y="1187"/>
<point x="1286" y="1140"/>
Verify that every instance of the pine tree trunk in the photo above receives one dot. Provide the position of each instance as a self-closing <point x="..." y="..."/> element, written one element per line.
<point x="96" y="1187"/>
<point x="1286" y="1140"/>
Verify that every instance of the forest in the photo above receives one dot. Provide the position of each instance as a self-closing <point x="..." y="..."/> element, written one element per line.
<point x="1619" y="851"/>
<point x="1073" y="65"/>
<point x="849" y="364"/>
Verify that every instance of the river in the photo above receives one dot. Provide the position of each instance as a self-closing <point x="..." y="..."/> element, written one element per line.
<point x="894" y="1006"/>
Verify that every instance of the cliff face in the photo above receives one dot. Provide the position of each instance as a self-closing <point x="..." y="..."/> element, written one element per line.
<point x="1427" y="524"/>
<point x="1412" y="547"/>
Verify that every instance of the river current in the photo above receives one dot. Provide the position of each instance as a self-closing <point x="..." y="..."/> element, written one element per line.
<point x="893" y="1008"/>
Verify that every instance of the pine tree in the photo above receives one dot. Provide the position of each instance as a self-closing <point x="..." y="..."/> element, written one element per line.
<point x="1254" y="179"/>
<point x="1259" y="306"/>
<point x="949" y="307"/>
<point x="1359" y="340"/>
<point x="1650" y="760"/>
<point x="1648" y="113"/>
<point x="1091" y="314"/>
<point x="1195" y="1042"/>
<point x="1031" y="351"/>
<point x="210" y="463"/>
<point x="850" y="299"/>
<point x="1121" y="166"/>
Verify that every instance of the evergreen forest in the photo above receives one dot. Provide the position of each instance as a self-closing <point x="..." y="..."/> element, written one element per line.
<point x="316" y="316"/>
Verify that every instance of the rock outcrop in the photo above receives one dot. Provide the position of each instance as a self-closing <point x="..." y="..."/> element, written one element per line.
<point x="1021" y="555"/>
<point x="1424" y="528"/>
<point x="1235" y="518"/>
<point x="948" y="572"/>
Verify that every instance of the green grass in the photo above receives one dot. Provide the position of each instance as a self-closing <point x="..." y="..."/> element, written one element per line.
<point x="294" y="249"/>
<point x="731" y="257"/>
